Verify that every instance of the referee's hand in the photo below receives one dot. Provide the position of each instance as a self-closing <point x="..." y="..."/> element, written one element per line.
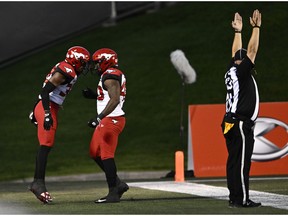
<point x="237" y="22"/>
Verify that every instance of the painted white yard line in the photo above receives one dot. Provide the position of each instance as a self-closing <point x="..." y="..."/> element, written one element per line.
<point x="251" y="179"/>
<point x="267" y="199"/>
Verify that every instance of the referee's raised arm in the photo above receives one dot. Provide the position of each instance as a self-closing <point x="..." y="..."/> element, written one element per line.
<point x="237" y="25"/>
<point x="253" y="44"/>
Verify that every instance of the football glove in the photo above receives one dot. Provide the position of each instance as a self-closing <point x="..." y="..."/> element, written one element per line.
<point x="32" y="118"/>
<point x="89" y="93"/>
<point x="94" y="122"/>
<point x="48" y="121"/>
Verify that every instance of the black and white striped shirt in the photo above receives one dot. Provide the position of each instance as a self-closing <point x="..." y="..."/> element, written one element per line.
<point x="242" y="93"/>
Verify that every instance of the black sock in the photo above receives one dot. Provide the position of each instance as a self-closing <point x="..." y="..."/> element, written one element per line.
<point x="41" y="161"/>
<point x="99" y="162"/>
<point x="110" y="172"/>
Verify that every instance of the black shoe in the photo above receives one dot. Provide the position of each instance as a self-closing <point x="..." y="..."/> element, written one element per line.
<point x="112" y="197"/>
<point x="122" y="188"/>
<point x="38" y="188"/>
<point x="251" y="204"/>
<point x="233" y="204"/>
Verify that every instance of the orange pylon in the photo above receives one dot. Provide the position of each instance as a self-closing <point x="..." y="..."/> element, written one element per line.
<point x="179" y="166"/>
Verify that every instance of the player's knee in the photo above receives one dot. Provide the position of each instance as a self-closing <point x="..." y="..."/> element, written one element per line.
<point x="107" y="156"/>
<point x="93" y="153"/>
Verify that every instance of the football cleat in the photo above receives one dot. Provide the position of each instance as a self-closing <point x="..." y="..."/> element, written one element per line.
<point x="122" y="188"/>
<point x="38" y="188"/>
<point x="112" y="196"/>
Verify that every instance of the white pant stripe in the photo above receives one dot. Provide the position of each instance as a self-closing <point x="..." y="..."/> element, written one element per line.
<point x="242" y="161"/>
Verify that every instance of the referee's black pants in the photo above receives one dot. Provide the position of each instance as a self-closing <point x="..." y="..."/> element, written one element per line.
<point x="239" y="135"/>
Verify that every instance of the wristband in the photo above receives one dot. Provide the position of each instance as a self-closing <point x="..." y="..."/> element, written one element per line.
<point x="256" y="26"/>
<point x="237" y="31"/>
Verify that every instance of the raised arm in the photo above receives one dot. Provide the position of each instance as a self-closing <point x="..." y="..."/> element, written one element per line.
<point x="237" y="25"/>
<point x="253" y="44"/>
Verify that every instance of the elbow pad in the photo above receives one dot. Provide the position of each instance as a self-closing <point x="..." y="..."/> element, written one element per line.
<point x="49" y="87"/>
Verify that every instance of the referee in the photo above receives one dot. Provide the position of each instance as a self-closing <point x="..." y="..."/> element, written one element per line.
<point x="242" y="106"/>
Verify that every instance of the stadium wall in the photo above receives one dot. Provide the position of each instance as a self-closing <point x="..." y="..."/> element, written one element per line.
<point x="29" y="26"/>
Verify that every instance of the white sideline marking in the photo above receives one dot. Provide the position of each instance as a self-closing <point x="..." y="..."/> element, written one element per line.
<point x="267" y="199"/>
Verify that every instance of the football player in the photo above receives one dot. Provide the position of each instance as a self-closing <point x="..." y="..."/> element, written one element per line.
<point x="57" y="85"/>
<point x="110" y="121"/>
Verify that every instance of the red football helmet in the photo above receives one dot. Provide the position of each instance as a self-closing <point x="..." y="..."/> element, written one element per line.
<point x="78" y="57"/>
<point x="104" y="58"/>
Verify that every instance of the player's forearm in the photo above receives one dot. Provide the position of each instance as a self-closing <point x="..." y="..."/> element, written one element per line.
<point x="111" y="105"/>
<point x="44" y="96"/>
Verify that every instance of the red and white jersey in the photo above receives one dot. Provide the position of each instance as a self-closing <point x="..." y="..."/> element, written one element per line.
<point x="58" y="95"/>
<point x="103" y="96"/>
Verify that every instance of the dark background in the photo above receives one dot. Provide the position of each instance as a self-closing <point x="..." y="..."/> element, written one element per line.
<point x="27" y="27"/>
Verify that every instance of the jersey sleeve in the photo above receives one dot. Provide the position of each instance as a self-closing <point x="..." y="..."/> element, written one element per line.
<point x="111" y="74"/>
<point x="66" y="70"/>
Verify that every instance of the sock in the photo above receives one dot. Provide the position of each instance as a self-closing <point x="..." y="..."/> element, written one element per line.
<point x="110" y="172"/>
<point x="99" y="162"/>
<point x="41" y="162"/>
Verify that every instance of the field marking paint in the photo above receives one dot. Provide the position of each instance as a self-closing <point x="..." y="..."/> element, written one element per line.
<point x="267" y="199"/>
<point x="251" y="178"/>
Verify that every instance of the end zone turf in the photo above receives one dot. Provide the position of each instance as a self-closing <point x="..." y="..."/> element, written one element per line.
<point x="267" y="199"/>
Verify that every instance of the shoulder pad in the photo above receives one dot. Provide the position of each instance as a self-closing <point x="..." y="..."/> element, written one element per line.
<point x="67" y="69"/>
<point x="113" y="71"/>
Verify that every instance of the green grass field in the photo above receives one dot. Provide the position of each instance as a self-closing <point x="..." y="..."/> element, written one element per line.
<point x="78" y="197"/>
<point x="144" y="43"/>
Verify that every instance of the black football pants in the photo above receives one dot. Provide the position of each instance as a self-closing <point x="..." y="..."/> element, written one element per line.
<point x="240" y="144"/>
